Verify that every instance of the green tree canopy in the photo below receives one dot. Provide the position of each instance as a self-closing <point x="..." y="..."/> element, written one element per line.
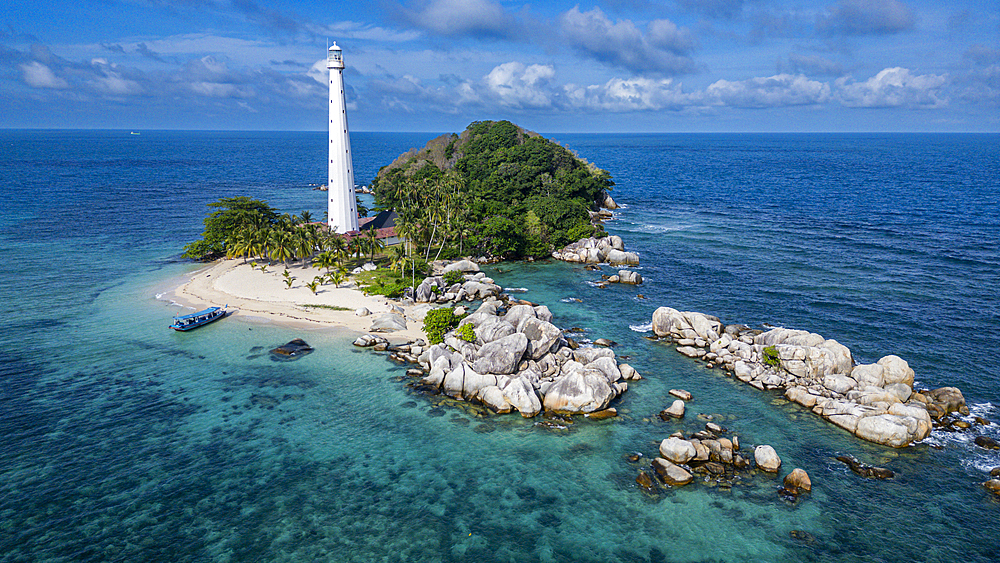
<point x="232" y="215"/>
<point x="522" y="195"/>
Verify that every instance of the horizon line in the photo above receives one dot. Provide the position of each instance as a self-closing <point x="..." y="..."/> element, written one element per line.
<point x="430" y="132"/>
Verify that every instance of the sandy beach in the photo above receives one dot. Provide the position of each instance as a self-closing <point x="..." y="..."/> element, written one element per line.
<point x="249" y="292"/>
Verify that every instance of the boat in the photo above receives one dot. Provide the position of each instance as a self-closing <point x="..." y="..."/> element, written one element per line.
<point x="195" y="320"/>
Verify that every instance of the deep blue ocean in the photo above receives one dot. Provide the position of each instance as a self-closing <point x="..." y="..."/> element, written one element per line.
<point x="121" y="440"/>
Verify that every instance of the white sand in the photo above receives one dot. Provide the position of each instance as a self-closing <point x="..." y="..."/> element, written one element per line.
<point x="249" y="292"/>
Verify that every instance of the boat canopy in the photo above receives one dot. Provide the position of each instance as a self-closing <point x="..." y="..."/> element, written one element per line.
<point x="208" y="311"/>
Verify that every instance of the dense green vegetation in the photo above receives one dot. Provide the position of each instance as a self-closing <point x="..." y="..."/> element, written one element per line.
<point x="438" y="322"/>
<point x="241" y="227"/>
<point x="495" y="190"/>
<point x="771" y="357"/>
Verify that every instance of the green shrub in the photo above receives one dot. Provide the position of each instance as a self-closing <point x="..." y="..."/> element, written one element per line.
<point x="771" y="357"/>
<point x="438" y="322"/>
<point x="453" y="277"/>
<point x="466" y="333"/>
<point x="382" y="282"/>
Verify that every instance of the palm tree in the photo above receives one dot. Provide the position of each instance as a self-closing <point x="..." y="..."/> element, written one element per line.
<point x="243" y="245"/>
<point x="373" y="242"/>
<point x="302" y="243"/>
<point x="280" y="245"/>
<point x="326" y="260"/>
<point x="258" y="242"/>
<point x="313" y="286"/>
<point x="397" y="257"/>
<point x="306" y="217"/>
<point x="337" y="277"/>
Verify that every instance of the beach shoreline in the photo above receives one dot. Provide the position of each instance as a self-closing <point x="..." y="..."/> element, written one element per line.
<point x="249" y="293"/>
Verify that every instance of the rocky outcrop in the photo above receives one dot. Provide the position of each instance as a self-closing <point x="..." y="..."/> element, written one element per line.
<point x="875" y="402"/>
<point x="519" y="361"/>
<point x="629" y="277"/>
<point x="691" y="329"/>
<point x="712" y="456"/>
<point x="610" y="250"/>
<point x="434" y="289"/>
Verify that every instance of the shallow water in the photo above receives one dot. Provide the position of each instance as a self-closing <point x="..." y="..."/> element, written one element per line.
<point x="126" y="441"/>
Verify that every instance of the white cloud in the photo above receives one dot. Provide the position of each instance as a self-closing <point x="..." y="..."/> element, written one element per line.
<point x="664" y="49"/>
<point x="515" y="85"/>
<point x="771" y="91"/>
<point x="356" y="30"/>
<point x="110" y="81"/>
<point x="894" y="87"/>
<point x="220" y="90"/>
<point x="38" y="75"/>
<point x="461" y="17"/>
<point x="621" y="95"/>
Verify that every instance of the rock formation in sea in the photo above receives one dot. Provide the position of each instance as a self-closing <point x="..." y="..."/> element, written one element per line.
<point x="517" y="360"/>
<point x="875" y="402"/>
<point x="610" y="250"/>
<point x="708" y="456"/>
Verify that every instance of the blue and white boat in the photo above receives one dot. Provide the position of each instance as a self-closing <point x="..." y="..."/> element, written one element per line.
<point x="195" y="320"/>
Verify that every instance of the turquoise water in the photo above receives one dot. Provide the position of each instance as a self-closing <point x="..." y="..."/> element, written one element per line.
<point x="124" y="441"/>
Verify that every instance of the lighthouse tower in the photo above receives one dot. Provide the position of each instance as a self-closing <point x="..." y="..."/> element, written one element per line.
<point x="342" y="210"/>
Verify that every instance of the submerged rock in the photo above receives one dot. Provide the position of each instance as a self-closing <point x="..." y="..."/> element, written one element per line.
<point x="867" y="471"/>
<point x="681" y="394"/>
<point x="987" y="442"/>
<point x="644" y="481"/>
<point x="671" y="474"/>
<point x="993" y="486"/>
<point x="293" y="350"/>
<point x="798" y="481"/>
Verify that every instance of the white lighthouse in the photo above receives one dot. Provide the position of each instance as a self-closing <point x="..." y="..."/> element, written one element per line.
<point x="342" y="210"/>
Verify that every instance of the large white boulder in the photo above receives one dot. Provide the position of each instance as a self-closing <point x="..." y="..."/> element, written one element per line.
<point x="579" y="392"/>
<point x="671" y="322"/>
<point x="677" y="450"/>
<point x="886" y="429"/>
<point x="839" y="383"/>
<point x="520" y="393"/>
<point x="896" y="370"/>
<point x="495" y="399"/>
<point x="492" y="329"/>
<point x="542" y="335"/>
<point x="462" y="266"/>
<point x="869" y="375"/>
<point x="502" y="355"/>
<point x="766" y="458"/>
<point x="388" y="322"/>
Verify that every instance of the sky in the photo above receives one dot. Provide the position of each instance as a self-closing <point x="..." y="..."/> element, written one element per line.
<point x="437" y="65"/>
